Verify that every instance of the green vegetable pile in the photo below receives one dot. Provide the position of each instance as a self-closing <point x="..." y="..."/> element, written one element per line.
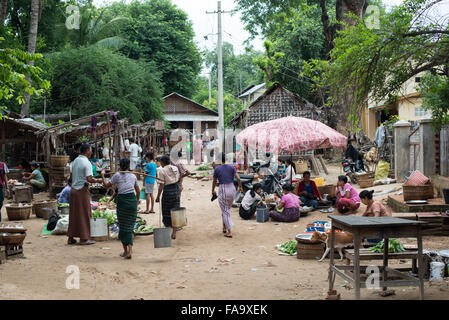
<point x="203" y="168"/>
<point x="393" y="246"/>
<point x="63" y="205"/>
<point x="105" y="199"/>
<point x="289" y="247"/>
<point x="108" y="214"/>
<point x="144" y="229"/>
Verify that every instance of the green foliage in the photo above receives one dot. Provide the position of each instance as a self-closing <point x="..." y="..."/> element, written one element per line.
<point x="435" y="94"/>
<point x="13" y="69"/>
<point x="231" y="105"/>
<point x="269" y="62"/>
<point x="239" y="70"/>
<point x="375" y="64"/>
<point x="159" y="32"/>
<point x="93" y="79"/>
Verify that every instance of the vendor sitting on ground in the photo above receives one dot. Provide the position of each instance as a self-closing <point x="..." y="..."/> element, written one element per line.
<point x="374" y="208"/>
<point x="308" y="192"/>
<point x="35" y="178"/>
<point x="64" y="196"/>
<point x="250" y="201"/>
<point x="348" y="200"/>
<point x="287" y="209"/>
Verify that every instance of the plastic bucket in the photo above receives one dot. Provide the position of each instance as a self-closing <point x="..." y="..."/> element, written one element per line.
<point x="143" y="194"/>
<point x="446" y="195"/>
<point x="98" y="227"/>
<point x="178" y="217"/>
<point x="162" y="237"/>
<point x="64" y="210"/>
<point x="262" y="214"/>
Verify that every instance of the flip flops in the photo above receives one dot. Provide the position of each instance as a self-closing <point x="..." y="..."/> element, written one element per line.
<point x="88" y="242"/>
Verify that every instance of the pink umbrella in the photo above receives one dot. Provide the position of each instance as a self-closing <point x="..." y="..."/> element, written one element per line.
<point x="290" y="134"/>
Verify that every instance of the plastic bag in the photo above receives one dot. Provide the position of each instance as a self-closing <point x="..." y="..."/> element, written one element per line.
<point x="61" y="226"/>
<point x="382" y="170"/>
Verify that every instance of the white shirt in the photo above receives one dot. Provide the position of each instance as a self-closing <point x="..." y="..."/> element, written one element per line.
<point x="248" y="201"/>
<point x="81" y="169"/>
<point x="134" y="149"/>
<point x="289" y="173"/>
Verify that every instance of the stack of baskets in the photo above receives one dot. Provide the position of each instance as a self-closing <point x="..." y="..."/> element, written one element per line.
<point x="365" y="180"/>
<point x="59" y="173"/>
<point x="18" y="211"/>
<point x="11" y="237"/>
<point x="39" y="206"/>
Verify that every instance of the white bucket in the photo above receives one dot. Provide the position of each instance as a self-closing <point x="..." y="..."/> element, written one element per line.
<point x="436" y="270"/>
<point x="178" y="217"/>
<point x="98" y="227"/>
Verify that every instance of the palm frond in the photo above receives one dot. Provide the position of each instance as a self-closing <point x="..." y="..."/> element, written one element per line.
<point x="112" y="43"/>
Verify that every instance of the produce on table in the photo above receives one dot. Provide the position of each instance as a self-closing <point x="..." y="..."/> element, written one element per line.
<point x="289" y="247"/>
<point x="105" y="199"/>
<point x="393" y="246"/>
<point x="108" y="214"/>
<point x="63" y="205"/>
<point x="203" y="168"/>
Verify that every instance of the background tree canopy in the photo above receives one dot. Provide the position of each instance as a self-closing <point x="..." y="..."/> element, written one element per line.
<point x="92" y="79"/>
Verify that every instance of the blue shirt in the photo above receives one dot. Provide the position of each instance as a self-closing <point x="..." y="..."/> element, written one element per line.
<point x="225" y="173"/>
<point x="150" y="169"/>
<point x="308" y="188"/>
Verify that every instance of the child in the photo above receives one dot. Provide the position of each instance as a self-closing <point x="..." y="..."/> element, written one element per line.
<point x="150" y="169"/>
<point x="64" y="196"/>
<point x="348" y="200"/>
<point x="250" y="200"/>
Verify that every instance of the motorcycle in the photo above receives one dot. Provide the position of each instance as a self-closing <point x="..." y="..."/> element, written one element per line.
<point x="350" y="169"/>
<point x="247" y="184"/>
<point x="271" y="182"/>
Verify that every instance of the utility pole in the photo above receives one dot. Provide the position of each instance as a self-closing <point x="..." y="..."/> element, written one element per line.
<point x="210" y="89"/>
<point x="220" y="72"/>
<point x="45" y="107"/>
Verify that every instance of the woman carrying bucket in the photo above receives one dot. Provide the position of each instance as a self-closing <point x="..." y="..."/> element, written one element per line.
<point x="168" y="183"/>
<point x="127" y="201"/>
<point x="224" y="175"/>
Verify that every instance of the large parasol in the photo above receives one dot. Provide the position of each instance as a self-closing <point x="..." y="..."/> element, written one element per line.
<point x="289" y="135"/>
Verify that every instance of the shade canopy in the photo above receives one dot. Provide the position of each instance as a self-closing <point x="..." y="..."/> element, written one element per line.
<point x="290" y="134"/>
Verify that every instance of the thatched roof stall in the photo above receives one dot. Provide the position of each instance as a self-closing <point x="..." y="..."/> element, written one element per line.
<point x="150" y="135"/>
<point x="18" y="138"/>
<point x="58" y="139"/>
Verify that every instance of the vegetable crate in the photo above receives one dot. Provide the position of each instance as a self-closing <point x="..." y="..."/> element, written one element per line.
<point x="14" y="251"/>
<point x="423" y="192"/>
<point x="309" y="251"/>
<point x="22" y="194"/>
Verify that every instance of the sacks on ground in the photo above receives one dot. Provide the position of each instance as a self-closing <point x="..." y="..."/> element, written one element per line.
<point x="51" y="225"/>
<point x="61" y="226"/>
<point x="382" y="170"/>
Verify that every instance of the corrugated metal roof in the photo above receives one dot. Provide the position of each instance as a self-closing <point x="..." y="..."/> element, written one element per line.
<point x="252" y="90"/>
<point x="184" y="117"/>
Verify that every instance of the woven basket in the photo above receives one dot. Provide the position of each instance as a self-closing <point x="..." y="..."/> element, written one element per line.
<point x="417" y="192"/>
<point x="301" y="166"/>
<point x="19" y="213"/>
<point x="12" y="239"/>
<point x="39" y="205"/>
<point x="59" y="161"/>
<point x="367" y="183"/>
<point x="364" y="176"/>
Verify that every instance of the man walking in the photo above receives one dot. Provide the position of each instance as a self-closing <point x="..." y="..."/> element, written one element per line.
<point x="80" y="209"/>
<point x="134" y="157"/>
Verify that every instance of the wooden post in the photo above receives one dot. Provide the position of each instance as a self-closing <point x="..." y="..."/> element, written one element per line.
<point x="110" y="140"/>
<point x="37" y="150"/>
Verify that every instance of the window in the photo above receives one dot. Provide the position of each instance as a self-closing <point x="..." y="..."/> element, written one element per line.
<point x="418" y="79"/>
<point x="419" y="112"/>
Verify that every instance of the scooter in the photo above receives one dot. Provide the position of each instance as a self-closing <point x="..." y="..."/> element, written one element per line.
<point x="271" y="182"/>
<point x="247" y="184"/>
<point x="350" y="169"/>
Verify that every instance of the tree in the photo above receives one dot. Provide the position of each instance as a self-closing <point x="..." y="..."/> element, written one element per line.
<point x="374" y="64"/>
<point x="13" y="72"/>
<point x="269" y="63"/>
<point x="435" y="93"/>
<point x="91" y="79"/>
<point x="160" y="33"/>
<point x="35" y="6"/>
<point x="239" y="70"/>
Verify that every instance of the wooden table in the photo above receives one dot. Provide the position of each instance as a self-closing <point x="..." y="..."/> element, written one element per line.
<point x="376" y="227"/>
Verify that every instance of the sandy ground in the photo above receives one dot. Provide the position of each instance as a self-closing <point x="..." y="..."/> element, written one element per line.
<point x="200" y="264"/>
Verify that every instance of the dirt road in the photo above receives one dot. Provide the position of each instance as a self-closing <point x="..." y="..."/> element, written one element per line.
<point x="201" y="264"/>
